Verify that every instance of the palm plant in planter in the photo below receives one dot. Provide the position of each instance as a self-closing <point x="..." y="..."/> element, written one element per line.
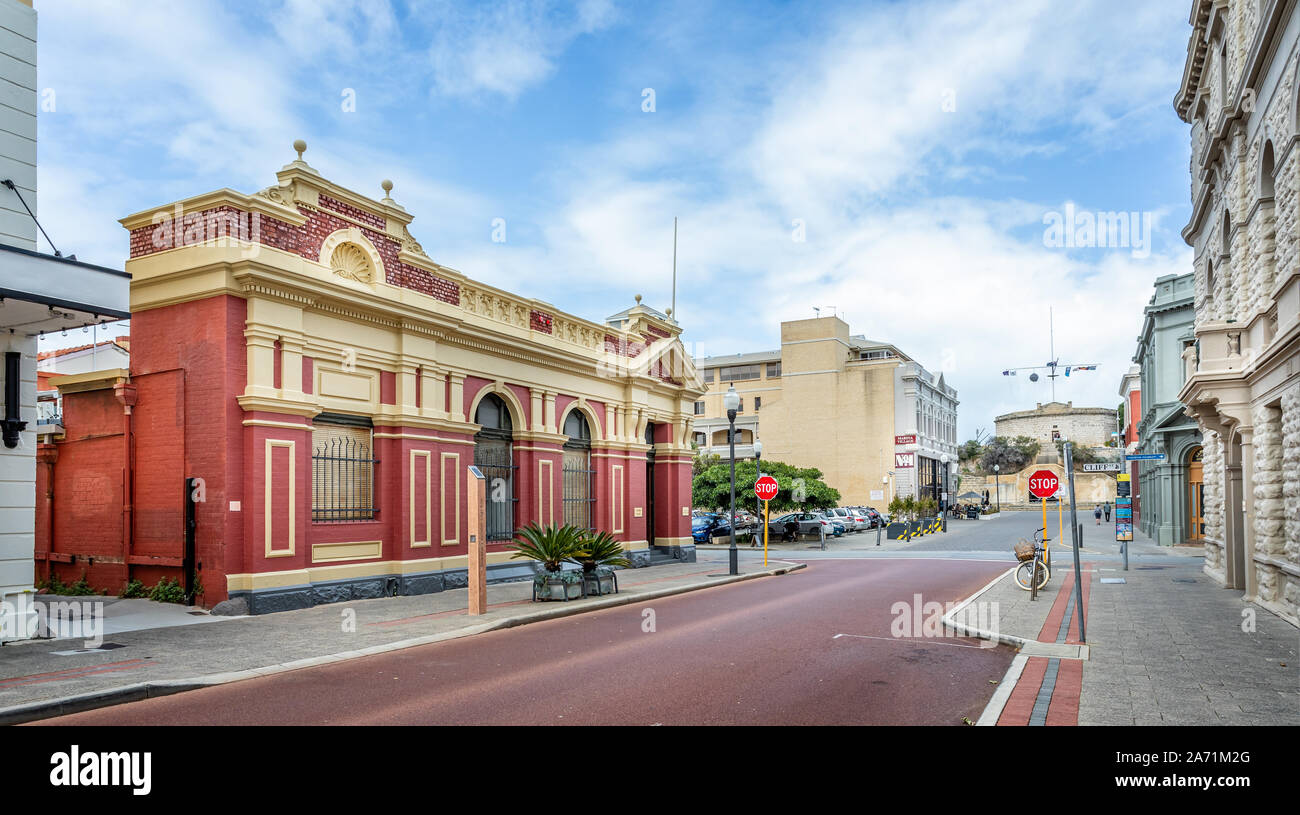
<point x="551" y="546"/>
<point x="599" y="553"/>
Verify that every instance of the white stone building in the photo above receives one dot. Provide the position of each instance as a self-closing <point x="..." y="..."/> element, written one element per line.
<point x="1240" y="92"/>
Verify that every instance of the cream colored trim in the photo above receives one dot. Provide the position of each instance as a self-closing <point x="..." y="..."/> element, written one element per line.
<point x="358" y="550"/>
<point x="421" y="437"/>
<point x="686" y="541"/>
<point x="320" y="574"/>
<point x="508" y="396"/>
<point x="597" y="434"/>
<point x="428" y="499"/>
<point x="266" y="510"/>
<point x="546" y="503"/>
<point x="616" y="498"/>
<point x="455" y="498"/>
<point x="268" y="423"/>
<point x="630" y="545"/>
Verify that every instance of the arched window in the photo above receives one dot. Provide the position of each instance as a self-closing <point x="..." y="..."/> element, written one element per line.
<point x="579" y="497"/>
<point x="494" y="456"/>
<point x="1266" y="172"/>
<point x="1209" y="282"/>
<point x="1227" y="233"/>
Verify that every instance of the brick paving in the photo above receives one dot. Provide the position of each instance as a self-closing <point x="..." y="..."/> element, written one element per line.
<point x="1165" y="647"/>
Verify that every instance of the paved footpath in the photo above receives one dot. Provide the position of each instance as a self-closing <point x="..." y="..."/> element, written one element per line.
<point x="37" y="681"/>
<point x="1166" y="646"/>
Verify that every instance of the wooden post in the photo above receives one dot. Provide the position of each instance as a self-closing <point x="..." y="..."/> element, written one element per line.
<point x="477" y="524"/>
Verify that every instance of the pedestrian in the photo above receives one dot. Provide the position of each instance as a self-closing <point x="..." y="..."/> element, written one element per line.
<point x="1107" y="511"/>
<point x="1096" y="513"/>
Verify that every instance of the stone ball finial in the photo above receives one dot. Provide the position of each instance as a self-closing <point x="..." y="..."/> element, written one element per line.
<point x="638" y="299"/>
<point x="300" y="146"/>
<point x="387" y="185"/>
<point x="668" y="312"/>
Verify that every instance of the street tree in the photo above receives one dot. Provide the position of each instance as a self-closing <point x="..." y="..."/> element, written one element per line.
<point x="799" y="488"/>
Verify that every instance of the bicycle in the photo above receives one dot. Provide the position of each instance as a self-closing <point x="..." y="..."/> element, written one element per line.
<point x="1035" y="567"/>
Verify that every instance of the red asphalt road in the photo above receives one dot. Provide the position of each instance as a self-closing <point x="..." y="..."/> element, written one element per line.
<point x="757" y="652"/>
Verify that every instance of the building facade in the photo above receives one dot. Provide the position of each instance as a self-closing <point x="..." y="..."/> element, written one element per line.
<point x="311" y="389"/>
<point x="1171" y="495"/>
<point x="40" y="294"/>
<point x="871" y="418"/>
<point x="1130" y="388"/>
<point x="1049" y="423"/>
<point x="1240" y="92"/>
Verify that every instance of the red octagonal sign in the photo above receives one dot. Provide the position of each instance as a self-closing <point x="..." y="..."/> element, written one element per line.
<point x="1044" y="484"/>
<point x="766" y="488"/>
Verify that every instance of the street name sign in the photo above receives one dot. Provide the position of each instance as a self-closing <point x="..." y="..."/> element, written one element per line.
<point x="1044" y="484"/>
<point x="1103" y="467"/>
<point x="766" y="488"/>
<point x="1146" y="457"/>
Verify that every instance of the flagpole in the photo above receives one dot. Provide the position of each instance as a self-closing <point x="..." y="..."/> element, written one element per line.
<point x="674" y="264"/>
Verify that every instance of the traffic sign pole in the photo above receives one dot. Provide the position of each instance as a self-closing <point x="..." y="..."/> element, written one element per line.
<point x="767" y="507"/>
<point x="765" y="489"/>
<point x="1074" y="522"/>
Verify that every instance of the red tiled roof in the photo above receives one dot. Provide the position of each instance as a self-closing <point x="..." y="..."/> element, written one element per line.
<point x="121" y="342"/>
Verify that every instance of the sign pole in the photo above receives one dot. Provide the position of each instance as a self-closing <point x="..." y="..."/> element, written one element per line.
<point x="476" y="525"/>
<point x="1074" y="522"/>
<point x="767" y="508"/>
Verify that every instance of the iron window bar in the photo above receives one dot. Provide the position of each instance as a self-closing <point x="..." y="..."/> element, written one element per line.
<point x="343" y="481"/>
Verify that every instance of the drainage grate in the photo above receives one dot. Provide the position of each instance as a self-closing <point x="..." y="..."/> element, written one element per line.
<point x="1183" y="579"/>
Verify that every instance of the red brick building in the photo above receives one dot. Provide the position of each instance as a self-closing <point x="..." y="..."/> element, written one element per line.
<point x="310" y="387"/>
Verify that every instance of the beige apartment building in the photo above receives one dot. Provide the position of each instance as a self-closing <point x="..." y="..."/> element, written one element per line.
<point x="1240" y="92"/>
<point x="871" y="418"/>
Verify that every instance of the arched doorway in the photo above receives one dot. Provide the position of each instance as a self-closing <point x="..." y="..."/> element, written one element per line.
<point x="579" y="497"/>
<point x="650" y="484"/>
<point x="494" y="456"/>
<point x="1195" y="496"/>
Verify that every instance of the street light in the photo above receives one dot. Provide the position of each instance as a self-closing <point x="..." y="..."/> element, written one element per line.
<point x="998" y="484"/>
<point x="731" y="401"/>
<point x="944" y="483"/>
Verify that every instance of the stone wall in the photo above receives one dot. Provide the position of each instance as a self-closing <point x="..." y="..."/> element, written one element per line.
<point x="1083" y="426"/>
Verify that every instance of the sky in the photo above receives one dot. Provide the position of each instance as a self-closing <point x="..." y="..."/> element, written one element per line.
<point x="913" y="167"/>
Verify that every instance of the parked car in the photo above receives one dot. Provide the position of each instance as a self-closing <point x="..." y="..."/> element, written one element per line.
<point x="809" y="523"/>
<point x="878" y="518"/>
<point x="706" y="527"/>
<point x="861" y="520"/>
<point x="844" y="516"/>
<point x="838" y="526"/>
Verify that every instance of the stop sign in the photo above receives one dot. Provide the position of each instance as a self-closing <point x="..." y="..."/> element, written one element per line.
<point x="765" y="488"/>
<point x="1044" y="484"/>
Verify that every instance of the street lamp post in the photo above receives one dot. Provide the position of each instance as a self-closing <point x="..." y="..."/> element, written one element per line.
<point x="997" y="484"/>
<point x="943" y="483"/>
<point x="758" y="467"/>
<point x="731" y="401"/>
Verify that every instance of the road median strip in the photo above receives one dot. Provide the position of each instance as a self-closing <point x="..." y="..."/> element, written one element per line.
<point x="79" y="703"/>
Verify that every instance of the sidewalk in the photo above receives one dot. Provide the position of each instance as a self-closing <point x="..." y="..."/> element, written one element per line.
<point x="37" y="681"/>
<point x="1166" y="646"/>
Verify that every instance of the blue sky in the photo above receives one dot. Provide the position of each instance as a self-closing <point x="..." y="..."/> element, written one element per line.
<point x="919" y="145"/>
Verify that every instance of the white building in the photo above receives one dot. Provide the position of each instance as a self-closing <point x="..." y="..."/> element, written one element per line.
<point x="40" y="293"/>
<point x="1240" y="92"/>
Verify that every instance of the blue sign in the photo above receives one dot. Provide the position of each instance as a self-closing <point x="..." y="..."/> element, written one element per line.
<point x="1146" y="457"/>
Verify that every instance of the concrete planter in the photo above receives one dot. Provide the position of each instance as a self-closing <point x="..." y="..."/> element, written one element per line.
<point x="601" y="581"/>
<point x="557" y="586"/>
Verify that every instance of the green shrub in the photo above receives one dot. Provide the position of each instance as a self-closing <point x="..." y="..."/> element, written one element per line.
<point x="167" y="591"/>
<point x="134" y="589"/>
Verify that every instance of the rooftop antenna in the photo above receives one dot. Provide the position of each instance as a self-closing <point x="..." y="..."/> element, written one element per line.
<point x="817" y="311"/>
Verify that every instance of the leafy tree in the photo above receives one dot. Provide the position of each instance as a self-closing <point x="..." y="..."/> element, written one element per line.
<point x="971" y="449"/>
<point x="703" y="461"/>
<point x="1011" y="454"/>
<point x="711" y="487"/>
